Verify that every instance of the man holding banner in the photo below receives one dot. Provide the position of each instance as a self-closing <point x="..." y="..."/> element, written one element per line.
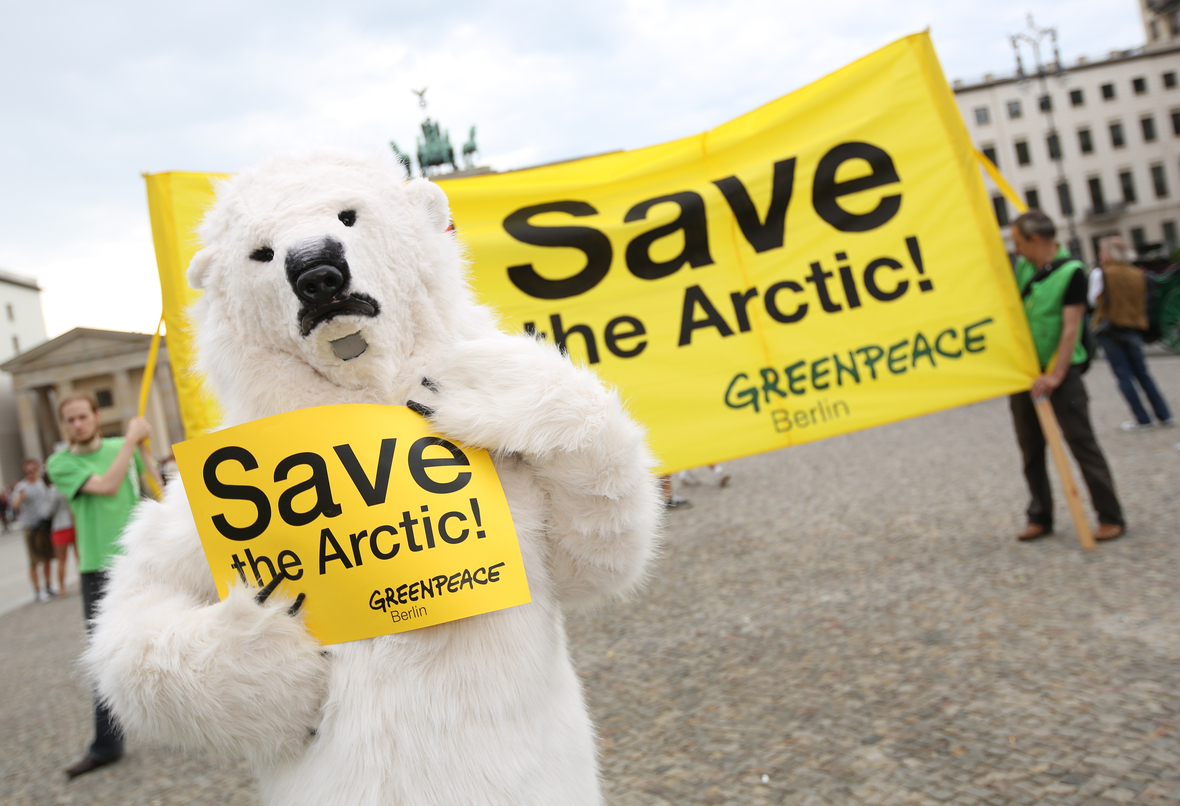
<point x="100" y="479"/>
<point x="1053" y="286"/>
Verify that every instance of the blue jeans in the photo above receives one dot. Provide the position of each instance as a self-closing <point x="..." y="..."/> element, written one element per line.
<point x="1124" y="350"/>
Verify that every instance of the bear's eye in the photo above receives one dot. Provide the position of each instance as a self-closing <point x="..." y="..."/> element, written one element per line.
<point x="348" y="217"/>
<point x="263" y="255"/>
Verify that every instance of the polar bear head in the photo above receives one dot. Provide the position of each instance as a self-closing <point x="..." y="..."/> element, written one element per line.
<point x="322" y="273"/>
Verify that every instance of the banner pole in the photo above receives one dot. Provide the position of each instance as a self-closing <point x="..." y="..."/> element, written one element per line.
<point x="1053" y="436"/>
<point x="149" y="372"/>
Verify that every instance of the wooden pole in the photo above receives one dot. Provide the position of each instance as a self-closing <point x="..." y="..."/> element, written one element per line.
<point x="1053" y="436"/>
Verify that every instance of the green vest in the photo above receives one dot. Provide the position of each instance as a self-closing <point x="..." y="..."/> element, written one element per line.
<point x="1042" y="304"/>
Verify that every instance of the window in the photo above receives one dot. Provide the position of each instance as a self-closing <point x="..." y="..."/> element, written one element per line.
<point x="1095" y="240"/>
<point x="1053" y="143"/>
<point x="1076" y="98"/>
<point x="1022" y="155"/>
<point x="1128" y="183"/>
<point x="1085" y="141"/>
<point x="11" y="314"/>
<point x="1139" y="85"/>
<point x="1014" y="109"/>
<point x="1159" y="178"/>
<point x="103" y="396"/>
<point x="1064" y="199"/>
<point x="1046" y="103"/>
<point x="1148" y="125"/>
<point x="1096" y="199"/>
<point x="1032" y="199"/>
<point x="15" y="346"/>
<point x="990" y="153"/>
<point x="1169" y="82"/>
<point x="1116" y="135"/>
<point x="1170" y="237"/>
<point x="981" y="116"/>
<point x="1139" y="239"/>
<point x="1108" y="92"/>
<point x="1001" y="206"/>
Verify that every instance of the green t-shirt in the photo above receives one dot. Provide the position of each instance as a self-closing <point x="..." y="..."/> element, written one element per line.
<point x="99" y="520"/>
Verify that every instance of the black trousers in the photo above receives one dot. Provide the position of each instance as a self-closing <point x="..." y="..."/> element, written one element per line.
<point x="108" y="739"/>
<point x="1072" y="407"/>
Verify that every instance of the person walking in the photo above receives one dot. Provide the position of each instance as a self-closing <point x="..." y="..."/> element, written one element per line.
<point x="100" y="478"/>
<point x="1118" y="294"/>
<point x="1053" y="287"/>
<point x="30" y="500"/>
<point x="61" y="532"/>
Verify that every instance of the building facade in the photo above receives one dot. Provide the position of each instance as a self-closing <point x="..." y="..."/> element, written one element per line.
<point x="22" y="326"/>
<point x="1096" y="145"/>
<point x="107" y="363"/>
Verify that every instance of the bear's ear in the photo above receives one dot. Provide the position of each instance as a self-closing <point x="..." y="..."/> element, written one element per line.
<point x="200" y="268"/>
<point x="432" y="200"/>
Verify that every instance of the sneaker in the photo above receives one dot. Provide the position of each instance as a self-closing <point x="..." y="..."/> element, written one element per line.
<point x="1133" y="425"/>
<point x="43" y="596"/>
<point x="1167" y="422"/>
<point x="721" y="476"/>
<point x="675" y="502"/>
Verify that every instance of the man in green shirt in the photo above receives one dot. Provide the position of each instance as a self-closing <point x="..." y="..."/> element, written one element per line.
<point x="1053" y="288"/>
<point x="95" y="475"/>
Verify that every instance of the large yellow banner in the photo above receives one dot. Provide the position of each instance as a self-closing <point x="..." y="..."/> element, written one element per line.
<point x="177" y="202"/>
<point x="826" y="263"/>
<point x="823" y="264"/>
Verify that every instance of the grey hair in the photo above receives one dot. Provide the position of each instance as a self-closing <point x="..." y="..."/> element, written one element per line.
<point x="1034" y="222"/>
<point x="1116" y="248"/>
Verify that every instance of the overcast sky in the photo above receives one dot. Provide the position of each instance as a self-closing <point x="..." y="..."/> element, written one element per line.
<point x="94" y="94"/>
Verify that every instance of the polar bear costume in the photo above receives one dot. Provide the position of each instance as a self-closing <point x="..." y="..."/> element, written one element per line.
<point x="484" y="710"/>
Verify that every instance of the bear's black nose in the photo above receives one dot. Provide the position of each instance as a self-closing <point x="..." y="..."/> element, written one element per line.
<point x="317" y="270"/>
<point x="319" y="283"/>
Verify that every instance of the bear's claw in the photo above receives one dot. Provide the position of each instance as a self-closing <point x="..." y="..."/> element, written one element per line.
<point x="265" y="593"/>
<point x="298" y="603"/>
<point x="415" y="406"/>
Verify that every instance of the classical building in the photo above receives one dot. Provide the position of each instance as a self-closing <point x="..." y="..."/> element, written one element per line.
<point x="21" y="326"/>
<point x="107" y="363"/>
<point x="1095" y="144"/>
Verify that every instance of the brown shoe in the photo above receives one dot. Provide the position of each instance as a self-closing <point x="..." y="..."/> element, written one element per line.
<point x="1109" y="531"/>
<point x="1032" y="531"/>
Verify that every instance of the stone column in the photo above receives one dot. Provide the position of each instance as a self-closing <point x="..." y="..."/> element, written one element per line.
<point x="30" y="434"/>
<point x="126" y="398"/>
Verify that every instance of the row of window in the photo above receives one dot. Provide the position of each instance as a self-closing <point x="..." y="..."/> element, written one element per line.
<point x="1139" y="238"/>
<point x="1118" y="139"/>
<point x="1098" y="202"/>
<point x="1077" y="97"/>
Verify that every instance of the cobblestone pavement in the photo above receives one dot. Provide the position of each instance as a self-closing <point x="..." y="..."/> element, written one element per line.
<point x="847" y="622"/>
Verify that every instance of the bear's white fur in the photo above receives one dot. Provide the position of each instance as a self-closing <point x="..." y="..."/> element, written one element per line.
<point x="484" y="710"/>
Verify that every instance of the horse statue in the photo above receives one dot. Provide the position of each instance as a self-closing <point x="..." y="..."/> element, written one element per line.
<point x="469" y="149"/>
<point x="402" y="158"/>
<point x="434" y="147"/>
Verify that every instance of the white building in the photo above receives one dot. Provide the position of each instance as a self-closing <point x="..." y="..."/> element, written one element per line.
<point x="1096" y="145"/>
<point x="22" y="326"/>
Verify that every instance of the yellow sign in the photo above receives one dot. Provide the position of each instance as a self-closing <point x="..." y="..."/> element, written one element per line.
<point x="385" y="526"/>
<point x="826" y="263"/>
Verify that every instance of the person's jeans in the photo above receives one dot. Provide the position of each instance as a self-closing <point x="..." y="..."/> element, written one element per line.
<point x="108" y="739"/>
<point x="1124" y="350"/>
